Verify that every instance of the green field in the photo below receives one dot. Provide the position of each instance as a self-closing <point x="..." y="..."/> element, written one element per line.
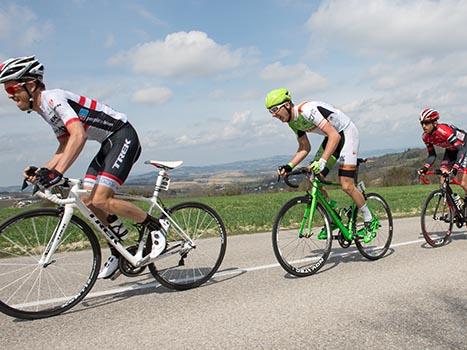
<point x="251" y="213"/>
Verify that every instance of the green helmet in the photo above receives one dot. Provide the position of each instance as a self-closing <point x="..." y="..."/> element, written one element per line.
<point x="276" y="97"/>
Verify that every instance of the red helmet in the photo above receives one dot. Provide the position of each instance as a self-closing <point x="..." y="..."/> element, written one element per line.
<point x="429" y="115"/>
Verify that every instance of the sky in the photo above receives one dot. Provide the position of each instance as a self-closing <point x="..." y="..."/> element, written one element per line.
<point x="192" y="75"/>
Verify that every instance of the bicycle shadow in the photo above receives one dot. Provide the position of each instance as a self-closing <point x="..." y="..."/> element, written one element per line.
<point x="148" y="286"/>
<point x="455" y="236"/>
<point x="343" y="255"/>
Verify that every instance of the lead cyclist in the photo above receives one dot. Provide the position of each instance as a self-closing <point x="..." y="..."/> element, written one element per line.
<point x="74" y="120"/>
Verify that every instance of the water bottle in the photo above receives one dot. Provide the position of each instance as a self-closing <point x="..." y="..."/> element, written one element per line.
<point x="117" y="226"/>
<point x="457" y="200"/>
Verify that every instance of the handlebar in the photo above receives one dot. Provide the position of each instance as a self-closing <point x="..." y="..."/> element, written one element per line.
<point x="448" y="176"/>
<point x="303" y="171"/>
<point x="43" y="193"/>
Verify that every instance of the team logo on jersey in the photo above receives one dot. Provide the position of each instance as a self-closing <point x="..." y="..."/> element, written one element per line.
<point x="54" y="106"/>
<point x="83" y="113"/>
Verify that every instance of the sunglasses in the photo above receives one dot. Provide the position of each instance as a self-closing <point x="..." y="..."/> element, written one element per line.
<point x="13" y="89"/>
<point x="276" y="109"/>
<point x="426" y="122"/>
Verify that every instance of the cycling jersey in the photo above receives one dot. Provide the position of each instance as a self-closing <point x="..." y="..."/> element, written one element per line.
<point x="452" y="139"/>
<point x="60" y="108"/>
<point x="312" y="116"/>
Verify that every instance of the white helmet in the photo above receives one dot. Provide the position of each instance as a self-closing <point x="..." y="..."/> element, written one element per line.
<point x="21" y="68"/>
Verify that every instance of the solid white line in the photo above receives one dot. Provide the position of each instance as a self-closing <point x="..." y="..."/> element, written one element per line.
<point x="150" y="285"/>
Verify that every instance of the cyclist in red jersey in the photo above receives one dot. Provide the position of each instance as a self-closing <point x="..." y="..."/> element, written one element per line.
<point x="453" y="139"/>
<point x="75" y="119"/>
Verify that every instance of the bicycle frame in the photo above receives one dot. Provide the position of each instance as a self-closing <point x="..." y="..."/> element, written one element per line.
<point x="317" y="197"/>
<point x="74" y="201"/>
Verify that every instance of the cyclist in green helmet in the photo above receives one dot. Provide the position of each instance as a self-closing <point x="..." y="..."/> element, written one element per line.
<point x="340" y="141"/>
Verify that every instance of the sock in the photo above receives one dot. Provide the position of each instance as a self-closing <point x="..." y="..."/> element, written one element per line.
<point x="366" y="213"/>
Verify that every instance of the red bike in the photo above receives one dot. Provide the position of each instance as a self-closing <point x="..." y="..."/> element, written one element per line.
<point x="442" y="209"/>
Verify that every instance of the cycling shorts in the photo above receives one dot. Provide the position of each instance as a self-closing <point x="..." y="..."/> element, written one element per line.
<point x="112" y="164"/>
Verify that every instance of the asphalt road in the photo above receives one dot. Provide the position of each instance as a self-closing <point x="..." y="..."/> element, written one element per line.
<point x="414" y="298"/>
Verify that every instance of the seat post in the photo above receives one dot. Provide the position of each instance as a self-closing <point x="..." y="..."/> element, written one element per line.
<point x="162" y="183"/>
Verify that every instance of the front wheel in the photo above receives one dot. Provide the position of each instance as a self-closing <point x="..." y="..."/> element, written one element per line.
<point x="301" y="244"/>
<point x="30" y="289"/>
<point x="380" y="240"/>
<point x="192" y="265"/>
<point x="437" y="219"/>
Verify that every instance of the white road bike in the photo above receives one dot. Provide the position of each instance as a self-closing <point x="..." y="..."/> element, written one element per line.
<point x="50" y="257"/>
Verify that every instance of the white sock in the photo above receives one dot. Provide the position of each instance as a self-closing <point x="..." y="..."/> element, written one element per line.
<point x="366" y="213"/>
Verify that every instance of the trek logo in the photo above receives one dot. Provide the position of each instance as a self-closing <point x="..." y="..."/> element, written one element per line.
<point x="122" y="154"/>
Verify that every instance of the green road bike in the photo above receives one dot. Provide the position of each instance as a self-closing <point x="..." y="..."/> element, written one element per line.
<point x="306" y="225"/>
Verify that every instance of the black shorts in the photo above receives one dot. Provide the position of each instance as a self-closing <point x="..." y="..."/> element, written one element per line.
<point x="112" y="164"/>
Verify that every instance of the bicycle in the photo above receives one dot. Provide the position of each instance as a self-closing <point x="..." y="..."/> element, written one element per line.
<point x="441" y="211"/>
<point x="302" y="232"/>
<point x="50" y="258"/>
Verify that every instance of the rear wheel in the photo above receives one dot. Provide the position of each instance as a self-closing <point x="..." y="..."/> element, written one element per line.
<point x="437" y="219"/>
<point x="191" y="266"/>
<point x="301" y="252"/>
<point x="30" y="289"/>
<point x="382" y="237"/>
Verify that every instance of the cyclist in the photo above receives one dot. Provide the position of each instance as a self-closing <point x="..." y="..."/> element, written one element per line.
<point x="453" y="139"/>
<point x="75" y="119"/>
<point x="340" y="142"/>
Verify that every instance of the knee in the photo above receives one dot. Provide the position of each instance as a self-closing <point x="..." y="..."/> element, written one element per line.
<point x="101" y="203"/>
<point x="348" y="187"/>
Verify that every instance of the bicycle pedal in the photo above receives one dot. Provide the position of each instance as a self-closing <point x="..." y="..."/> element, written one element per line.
<point x="115" y="275"/>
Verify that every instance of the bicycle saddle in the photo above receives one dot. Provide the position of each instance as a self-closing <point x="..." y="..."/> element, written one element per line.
<point x="164" y="165"/>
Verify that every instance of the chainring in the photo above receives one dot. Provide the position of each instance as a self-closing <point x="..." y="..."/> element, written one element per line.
<point x="126" y="268"/>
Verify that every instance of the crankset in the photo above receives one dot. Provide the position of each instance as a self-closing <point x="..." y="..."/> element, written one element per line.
<point x="343" y="242"/>
<point x="126" y="268"/>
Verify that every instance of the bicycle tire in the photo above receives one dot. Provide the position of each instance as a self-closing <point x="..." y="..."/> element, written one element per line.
<point x="434" y="229"/>
<point x="55" y="289"/>
<point x="378" y="247"/>
<point x="191" y="216"/>
<point x="290" y="217"/>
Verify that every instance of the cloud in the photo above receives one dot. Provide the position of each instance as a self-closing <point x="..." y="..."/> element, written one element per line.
<point x="146" y="14"/>
<point x="182" y="55"/>
<point x="152" y="95"/>
<point x="299" y="78"/>
<point x="241" y="129"/>
<point x="393" y="28"/>
<point x="32" y="30"/>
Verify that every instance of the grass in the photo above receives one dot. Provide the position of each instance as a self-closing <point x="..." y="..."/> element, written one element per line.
<point x="250" y="213"/>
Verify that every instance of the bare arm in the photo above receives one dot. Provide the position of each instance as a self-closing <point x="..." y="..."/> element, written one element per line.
<point x="333" y="140"/>
<point x="71" y="148"/>
<point x="51" y="164"/>
<point x="303" y="150"/>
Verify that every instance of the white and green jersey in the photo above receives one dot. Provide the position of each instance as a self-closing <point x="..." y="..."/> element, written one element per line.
<point x="312" y="116"/>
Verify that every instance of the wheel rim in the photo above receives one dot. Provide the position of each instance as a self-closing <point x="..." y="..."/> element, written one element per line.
<point x="379" y="245"/>
<point x="30" y="288"/>
<point x="437" y="220"/>
<point x="200" y="262"/>
<point x="301" y="254"/>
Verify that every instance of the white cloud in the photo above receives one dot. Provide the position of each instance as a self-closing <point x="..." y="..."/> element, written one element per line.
<point x="152" y="95"/>
<point x="32" y="30"/>
<point x="146" y="14"/>
<point x="299" y="78"/>
<point x="241" y="129"/>
<point x="183" y="55"/>
<point x="391" y="27"/>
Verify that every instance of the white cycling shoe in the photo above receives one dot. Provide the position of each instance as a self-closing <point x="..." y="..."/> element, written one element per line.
<point x="158" y="244"/>
<point x="110" y="267"/>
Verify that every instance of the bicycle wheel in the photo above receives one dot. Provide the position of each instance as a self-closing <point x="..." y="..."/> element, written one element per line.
<point x="301" y="254"/>
<point x="191" y="266"/>
<point x="379" y="245"/>
<point x="29" y="289"/>
<point x="437" y="219"/>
